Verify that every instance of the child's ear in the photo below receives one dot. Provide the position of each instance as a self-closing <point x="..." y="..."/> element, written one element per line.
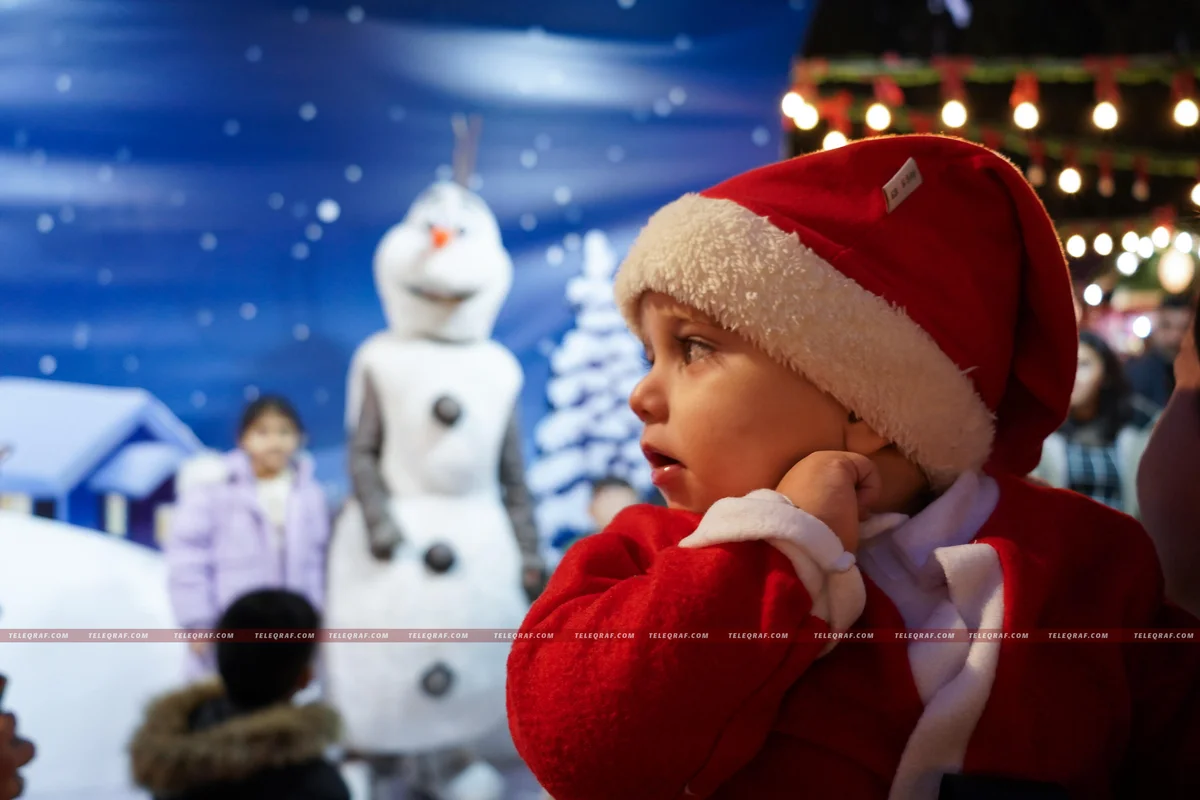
<point x="861" y="438"/>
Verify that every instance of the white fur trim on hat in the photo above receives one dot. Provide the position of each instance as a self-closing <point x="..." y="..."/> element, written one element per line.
<point x="754" y="279"/>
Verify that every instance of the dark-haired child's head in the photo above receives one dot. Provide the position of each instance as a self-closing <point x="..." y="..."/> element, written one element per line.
<point x="609" y="497"/>
<point x="270" y="433"/>
<point x="258" y="674"/>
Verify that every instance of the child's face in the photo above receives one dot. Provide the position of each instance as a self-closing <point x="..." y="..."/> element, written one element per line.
<point x="608" y="502"/>
<point x="722" y="418"/>
<point x="270" y="441"/>
<point x="1170" y="326"/>
<point x="1089" y="375"/>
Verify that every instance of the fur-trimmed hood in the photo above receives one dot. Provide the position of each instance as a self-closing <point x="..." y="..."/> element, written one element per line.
<point x="168" y="757"/>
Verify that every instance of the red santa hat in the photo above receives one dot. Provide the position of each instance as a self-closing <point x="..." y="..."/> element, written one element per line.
<point x="916" y="279"/>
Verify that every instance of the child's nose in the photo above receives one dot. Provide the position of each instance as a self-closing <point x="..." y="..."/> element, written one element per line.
<point x="648" y="401"/>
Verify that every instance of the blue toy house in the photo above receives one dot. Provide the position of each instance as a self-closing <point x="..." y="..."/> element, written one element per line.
<point x="94" y="456"/>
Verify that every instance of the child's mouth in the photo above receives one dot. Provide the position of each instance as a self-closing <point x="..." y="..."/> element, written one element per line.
<point x="663" y="468"/>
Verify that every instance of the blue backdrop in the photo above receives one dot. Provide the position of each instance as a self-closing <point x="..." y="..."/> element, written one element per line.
<point x="190" y="192"/>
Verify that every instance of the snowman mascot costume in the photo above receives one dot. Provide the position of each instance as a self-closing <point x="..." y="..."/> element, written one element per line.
<point x="439" y="533"/>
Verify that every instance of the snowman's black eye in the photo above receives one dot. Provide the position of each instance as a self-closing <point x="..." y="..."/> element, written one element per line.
<point x="461" y="231"/>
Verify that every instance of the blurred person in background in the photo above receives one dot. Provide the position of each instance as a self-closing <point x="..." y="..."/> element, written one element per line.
<point x="610" y="496"/>
<point x="1097" y="450"/>
<point x="249" y="519"/>
<point x="1169" y="481"/>
<point x="1152" y="374"/>
<point x="243" y="737"/>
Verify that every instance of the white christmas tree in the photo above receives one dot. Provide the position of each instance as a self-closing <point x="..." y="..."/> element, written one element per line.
<point x="590" y="432"/>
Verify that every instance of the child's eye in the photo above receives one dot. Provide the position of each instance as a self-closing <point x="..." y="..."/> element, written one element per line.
<point x="693" y="350"/>
<point x="647" y="361"/>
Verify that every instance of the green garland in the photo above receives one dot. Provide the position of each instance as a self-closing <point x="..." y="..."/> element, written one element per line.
<point x="916" y="72"/>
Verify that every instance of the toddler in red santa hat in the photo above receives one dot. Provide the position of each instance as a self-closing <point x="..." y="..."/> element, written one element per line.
<point x="856" y="356"/>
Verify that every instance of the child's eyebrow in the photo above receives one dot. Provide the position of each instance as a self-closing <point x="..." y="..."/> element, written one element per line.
<point x="684" y="314"/>
<point x="674" y="315"/>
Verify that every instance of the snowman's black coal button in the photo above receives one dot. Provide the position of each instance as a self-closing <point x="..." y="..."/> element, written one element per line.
<point x="447" y="410"/>
<point x="439" y="558"/>
<point x="437" y="680"/>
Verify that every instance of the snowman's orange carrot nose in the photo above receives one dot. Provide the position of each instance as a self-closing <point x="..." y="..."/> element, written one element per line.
<point x="441" y="237"/>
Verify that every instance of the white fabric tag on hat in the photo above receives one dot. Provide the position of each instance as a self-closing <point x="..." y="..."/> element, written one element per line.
<point x="902" y="184"/>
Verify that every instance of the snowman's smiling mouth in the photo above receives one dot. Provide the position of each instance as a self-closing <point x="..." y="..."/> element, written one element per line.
<point x="435" y="296"/>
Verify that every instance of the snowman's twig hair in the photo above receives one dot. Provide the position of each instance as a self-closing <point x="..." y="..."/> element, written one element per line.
<point x="466" y="146"/>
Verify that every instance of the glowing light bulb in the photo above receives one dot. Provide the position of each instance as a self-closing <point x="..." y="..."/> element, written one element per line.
<point x="1129" y="242"/>
<point x="1161" y="237"/>
<point x="1145" y="247"/>
<point x="807" y="117"/>
<point x="792" y="103"/>
<point x="1076" y="246"/>
<point x="1183" y="242"/>
<point x="1141" y="190"/>
<point x="1105" y="116"/>
<point x="1142" y="327"/>
<point x="1187" y="113"/>
<point x="1026" y="115"/>
<point x="1127" y="264"/>
<point x="1175" y="271"/>
<point x="833" y="140"/>
<point x="1070" y="181"/>
<point x="1103" y="244"/>
<point x="878" y="117"/>
<point x="1196" y="194"/>
<point x="1106" y="186"/>
<point x="954" y="114"/>
<point x="1093" y="295"/>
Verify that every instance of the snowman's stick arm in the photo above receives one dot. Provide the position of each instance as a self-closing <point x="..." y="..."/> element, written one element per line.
<point x="366" y="450"/>
<point x="517" y="500"/>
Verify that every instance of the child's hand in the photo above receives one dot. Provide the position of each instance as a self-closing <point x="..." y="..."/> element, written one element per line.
<point x="384" y="537"/>
<point x="14" y="754"/>
<point x="836" y="488"/>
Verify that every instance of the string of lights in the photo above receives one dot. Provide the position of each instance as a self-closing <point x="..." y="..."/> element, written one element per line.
<point x="841" y="111"/>
<point x="1072" y="154"/>
<point x="1106" y="73"/>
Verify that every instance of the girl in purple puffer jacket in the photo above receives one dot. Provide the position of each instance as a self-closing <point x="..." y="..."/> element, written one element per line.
<point x="253" y="518"/>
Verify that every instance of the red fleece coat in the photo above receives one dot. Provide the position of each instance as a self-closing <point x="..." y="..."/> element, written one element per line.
<point x="613" y="719"/>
